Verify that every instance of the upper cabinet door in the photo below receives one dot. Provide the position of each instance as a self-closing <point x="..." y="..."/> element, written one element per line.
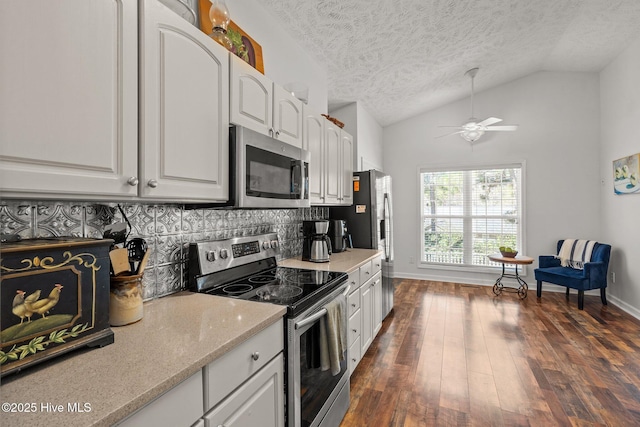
<point x="313" y="141"/>
<point x="346" y="197"/>
<point x="251" y="97"/>
<point x="287" y="117"/>
<point x="333" y="167"/>
<point x="184" y="110"/>
<point x="69" y="96"/>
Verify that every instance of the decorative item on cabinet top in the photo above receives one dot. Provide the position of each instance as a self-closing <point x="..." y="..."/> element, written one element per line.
<point x="244" y="46"/>
<point x="333" y="120"/>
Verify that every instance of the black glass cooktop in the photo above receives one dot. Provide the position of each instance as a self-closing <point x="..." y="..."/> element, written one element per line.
<point x="296" y="288"/>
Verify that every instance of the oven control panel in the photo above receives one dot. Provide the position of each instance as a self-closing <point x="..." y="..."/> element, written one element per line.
<point x="216" y="255"/>
<point x="248" y="248"/>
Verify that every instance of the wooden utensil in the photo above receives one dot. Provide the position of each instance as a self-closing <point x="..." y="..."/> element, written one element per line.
<point x="143" y="263"/>
<point x="119" y="261"/>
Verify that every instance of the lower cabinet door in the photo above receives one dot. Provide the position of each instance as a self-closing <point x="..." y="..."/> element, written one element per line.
<point x="257" y="402"/>
<point x="354" y="355"/>
<point x="180" y="406"/>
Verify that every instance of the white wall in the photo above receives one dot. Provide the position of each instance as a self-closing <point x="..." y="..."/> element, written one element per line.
<point x="284" y="60"/>
<point x="366" y="132"/>
<point x="558" y="138"/>
<point x="620" y="116"/>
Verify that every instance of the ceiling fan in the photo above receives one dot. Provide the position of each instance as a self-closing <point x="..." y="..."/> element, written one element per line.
<point x="473" y="129"/>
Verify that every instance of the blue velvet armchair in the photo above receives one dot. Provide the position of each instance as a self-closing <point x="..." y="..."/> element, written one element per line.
<point x="593" y="276"/>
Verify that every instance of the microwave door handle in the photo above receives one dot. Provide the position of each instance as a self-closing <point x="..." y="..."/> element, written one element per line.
<point x="298" y="176"/>
<point x="296" y="172"/>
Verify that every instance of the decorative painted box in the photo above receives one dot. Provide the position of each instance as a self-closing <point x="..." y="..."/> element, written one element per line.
<point x="54" y="298"/>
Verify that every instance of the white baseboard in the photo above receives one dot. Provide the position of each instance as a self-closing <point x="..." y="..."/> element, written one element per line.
<point x="624" y="306"/>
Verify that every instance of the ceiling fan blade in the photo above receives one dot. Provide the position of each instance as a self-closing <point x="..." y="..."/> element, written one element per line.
<point x="449" y="134"/>
<point x="506" y="127"/>
<point x="458" y="127"/>
<point x="490" y="121"/>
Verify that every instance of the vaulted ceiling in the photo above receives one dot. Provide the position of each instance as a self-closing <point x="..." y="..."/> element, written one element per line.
<point x="400" y="58"/>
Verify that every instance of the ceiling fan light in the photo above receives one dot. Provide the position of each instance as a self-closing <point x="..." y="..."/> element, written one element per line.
<point x="472" y="135"/>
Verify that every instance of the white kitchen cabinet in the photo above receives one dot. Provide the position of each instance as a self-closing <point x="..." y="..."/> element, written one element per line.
<point x="346" y="169"/>
<point x="377" y="304"/>
<point x="376" y="268"/>
<point x="366" y="307"/>
<point x="245" y="387"/>
<point x="313" y="141"/>
<point x="257" y="402"/>
<point x="180" y="406"/>
<point x="68" y="109"/>
<point x="332" y="171"/>
<point x="354" y="355"/>
<point x="331" y="168"/>
<point x="371" y="301"/>
<point x="371" y="307"/>
<point x="261" y="105"/>
<point x="184" y="110"/>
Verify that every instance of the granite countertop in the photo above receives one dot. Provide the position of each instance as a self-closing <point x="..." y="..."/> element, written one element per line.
<point x="177" y="336"/>
<point x="345" y="261"/>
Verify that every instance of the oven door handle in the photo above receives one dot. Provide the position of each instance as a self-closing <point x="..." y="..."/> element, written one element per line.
<point x="319" y="314"/>
<point x="311" y="319"/>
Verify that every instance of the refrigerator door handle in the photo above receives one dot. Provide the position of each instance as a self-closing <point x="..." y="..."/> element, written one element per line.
<point x="386" y="213"/>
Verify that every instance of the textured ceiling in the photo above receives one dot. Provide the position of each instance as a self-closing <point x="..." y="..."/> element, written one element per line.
<point x="400" y="58"/>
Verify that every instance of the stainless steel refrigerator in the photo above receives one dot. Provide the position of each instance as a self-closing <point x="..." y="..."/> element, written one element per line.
<point x="369" y="222"/>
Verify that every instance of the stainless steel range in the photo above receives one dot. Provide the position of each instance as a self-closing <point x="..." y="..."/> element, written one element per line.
<point x="246" y="268"/>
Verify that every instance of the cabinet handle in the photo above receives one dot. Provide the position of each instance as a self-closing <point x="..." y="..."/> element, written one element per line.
<point x="133" y="181"/>
<point x="353" y="360"/>
<point x="152" y="183"/>
<point x="277" y="133"/>
<point x="271" y="132"/>
<point x="354" y="331"/>
<point x="353" y="305"/>
<point x="255" y="356"/>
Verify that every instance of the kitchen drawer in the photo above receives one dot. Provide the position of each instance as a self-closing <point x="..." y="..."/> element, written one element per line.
<point x="353" y="302"/>
<point x="354" y="327"/>
<point x="354" y="279"/>
<point x="376" y="265"/>
<point x="225" y="374"/>
<point x="354" y="355"/>
<point x="365" y="272"/>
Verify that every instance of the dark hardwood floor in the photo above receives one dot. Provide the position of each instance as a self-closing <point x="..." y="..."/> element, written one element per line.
<point x="453" y="354"/>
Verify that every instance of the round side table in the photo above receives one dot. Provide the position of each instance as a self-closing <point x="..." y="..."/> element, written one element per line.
<point x="518" y="260"/>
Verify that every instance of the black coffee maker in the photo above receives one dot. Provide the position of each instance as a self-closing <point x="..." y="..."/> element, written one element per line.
<point x="316" y="246"/>
<point x="339" y="235"/>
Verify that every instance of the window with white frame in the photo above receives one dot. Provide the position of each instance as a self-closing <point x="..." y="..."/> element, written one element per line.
<point x="469" y="213"/>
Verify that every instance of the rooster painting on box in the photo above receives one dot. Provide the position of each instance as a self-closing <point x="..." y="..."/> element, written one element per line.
<point x="54" y="297"/>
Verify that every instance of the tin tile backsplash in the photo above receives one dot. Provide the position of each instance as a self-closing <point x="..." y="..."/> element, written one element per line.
<point x="166" y="229"/>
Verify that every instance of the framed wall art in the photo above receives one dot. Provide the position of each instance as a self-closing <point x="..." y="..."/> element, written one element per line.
<point x="626" y="174"/>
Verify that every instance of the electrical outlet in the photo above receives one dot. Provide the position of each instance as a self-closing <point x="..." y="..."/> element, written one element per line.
<point x="412" y="260"/>
<point x="613" y="277"/>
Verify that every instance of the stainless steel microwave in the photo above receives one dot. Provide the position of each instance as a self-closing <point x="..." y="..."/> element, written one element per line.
<point x="266" y="172"/>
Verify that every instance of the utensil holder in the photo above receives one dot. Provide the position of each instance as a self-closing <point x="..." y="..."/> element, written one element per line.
<point x="125" y="300"/>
